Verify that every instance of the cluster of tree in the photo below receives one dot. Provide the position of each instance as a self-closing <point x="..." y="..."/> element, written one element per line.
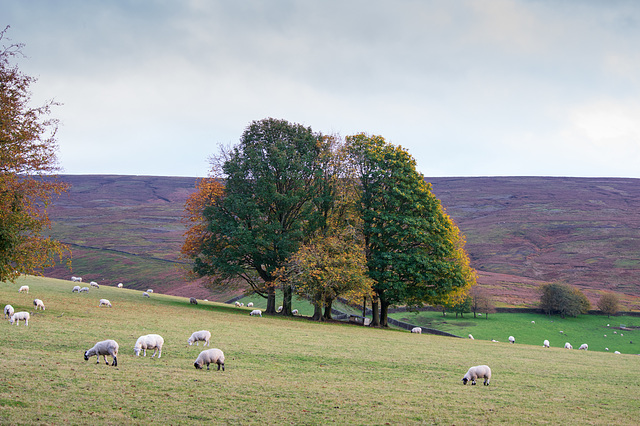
<point x="326" y="218"/>
<point x="27" y="161"/>
<point x="563" y="299"/>
<point x="609" y="304"/>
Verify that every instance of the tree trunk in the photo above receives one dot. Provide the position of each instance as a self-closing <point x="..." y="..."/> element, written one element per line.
<point x="286" y="299"/>
<point x="327" y="309"/>
<point x="384" y="311"/>
<point x="375" y="313"/>
<point x="317" y="310"/>
<point x="271" y="300"/>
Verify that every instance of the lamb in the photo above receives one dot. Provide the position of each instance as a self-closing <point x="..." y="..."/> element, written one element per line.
<point x="417" y="330"/>
<point x="149" y="341"/>
<point x="84" y="290"/>
<point x="197" y="336"/>
<point x="294" y="312"/>
<point x="193" y="301"/>
<point x="8" y="311"/>
<point x="512" y="339"/>
<point x="471" y="337"/>
<point x="568" y="346"/>
<point x="477" y="372"/>
<point x="210" y="356"/>
<point x="104" y="348"/>
<point x="583" y="347"/>
<point x="545" y="344"/>
<point x="149" y="290"/>
<point x="24" y="289"/>
<point x="119" y="285"/>
<point x="94" y="284"/>
<point x="255" y="312"/>
<point x="76" y="289"/>
<point x="38" y="304"/>
<point x="20" y="316"/>
<point x="104" y="302"/>
<point x="250" y="305"/>
<point x="145" y="294"/>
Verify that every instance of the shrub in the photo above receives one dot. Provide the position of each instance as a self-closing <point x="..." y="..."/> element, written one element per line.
<point x="609" y="304"/>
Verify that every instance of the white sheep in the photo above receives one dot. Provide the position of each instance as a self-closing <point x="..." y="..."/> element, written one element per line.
<point x="104" y="302"/>
<point x="20" y="316"/>
<point x="417" y="330"/>
<point x="256" y="312"/>
<point x="237" y="304"/>
<point x="512" y="339"/>
<point x="200" y="336"/>
<point x="193" y="301"/>
<point x="617" y="352"/>
<point x="76" y="279"/>
<point x="76" y="289"/>
<point x="250" y="305"/>
<point x="84" y="290"/>
<point x="210" y="356"/>
<point x="24" y="289"/>
<point x="583" y="347"/>
<point x="149" y="290"/>
<point x="149" y="341"/>
<point x="294" y="312"/>
<point x="471" y="337"/>
<point x="477" y="372"/>
<point x="119" y="285"/>
<point x="279" y="309"/>
<point x="38" y="304"/>
<point x="8" y="311"/>
<point x="568" y="346"/>
<point x="545" y="344"/>
<point x="494" y="340"/>
<point x="104" y="348"/>
<point x="533" y="322"/>
<point x="94" y="284"/>
<point x="145" y="294"/>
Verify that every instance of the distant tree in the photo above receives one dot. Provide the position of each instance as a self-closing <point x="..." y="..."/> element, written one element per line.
<point x="462" y="306"/>
<point x="563" y="299"/>
<point x="609" y="304"/>
<point x="481" y="302"/>
<point x="414" y="251"/>
<point x="272" y="180"/>
<point x="27" y="161"/>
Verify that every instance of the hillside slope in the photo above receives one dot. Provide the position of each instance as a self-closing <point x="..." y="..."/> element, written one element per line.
<point x="520" y="231"/>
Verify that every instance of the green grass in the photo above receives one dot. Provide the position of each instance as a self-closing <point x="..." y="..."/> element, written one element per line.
<point x="590" y="329"/>
<point x="284" y="371"/>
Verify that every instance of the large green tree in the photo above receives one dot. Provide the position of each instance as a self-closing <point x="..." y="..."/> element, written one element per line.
<point x="272" y="184"/>
<point x="414" y="251"/>
<point x="563" y="299"/>
<point x="27" y="160"/>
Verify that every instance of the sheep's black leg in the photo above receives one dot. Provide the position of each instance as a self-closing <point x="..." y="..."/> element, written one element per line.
<point x="207" y="366"/>
<point x="115" y="362"/>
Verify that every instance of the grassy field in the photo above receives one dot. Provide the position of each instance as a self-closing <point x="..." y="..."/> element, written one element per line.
<point x="284" y="371"/>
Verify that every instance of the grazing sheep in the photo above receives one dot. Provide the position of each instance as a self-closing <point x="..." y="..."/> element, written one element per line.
<point x="255" y="312"/>
<point x="76" y="289"/>
<point x="38" y="304"/>
<point x="24" y="289"/>
<point x="20" y="316"/>
<point x="200" y="336"/>
<point x="561" y="332"/>
<point x="8" y="311"/>
<point x="417" y="330"/>
<point x="193" y="301"/>
<point x="149" y="290"/>
<point x="250" y="305"/>
<point x="512" y="339"/>
<point x="583" y="347"/>
<point x="617" y="352"/>
<point x="545" y="344"/>
<point x="606" y="349"/>
<point x="605" y="335"/>
<point x="145" y="294"/>
<point x="206" y="300"/>
<point x="477" y="372"/>
<point x="119" y="285"/>
<point x="237" y="304"/>
<point x="210" y="356"/>
<point x="84" y="290"/>
<point x="568" y="346"/>
<point x="94" y="284"/>
<point x="76" y="279"/>
<point x="615" y="332"/>
<point x="104" y="302"/>
<point x="533" y="322"/>
<point x="104" y="348"/>
<point x="279" y="309"/>
<point x="149" y="341"/>
<point x="471" y="337"/>
<point x="294" y="312"/>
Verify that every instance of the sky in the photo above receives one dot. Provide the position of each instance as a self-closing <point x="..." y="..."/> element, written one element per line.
<point x="468" y="87"/>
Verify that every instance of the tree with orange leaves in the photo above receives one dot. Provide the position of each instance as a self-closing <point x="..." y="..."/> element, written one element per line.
<point x="27" y="162"/>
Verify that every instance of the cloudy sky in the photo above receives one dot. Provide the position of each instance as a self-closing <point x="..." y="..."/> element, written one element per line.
<point x="470" y="88"/>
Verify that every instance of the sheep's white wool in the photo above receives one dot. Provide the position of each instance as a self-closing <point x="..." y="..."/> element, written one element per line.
<point x="417" y="330"/>
<point x="477" y="372"/>
<point x="568" y="346"/>
<point x="471" y="337"/>
<point x="20" y="316"/>
<point x="200" y="336"/>
<point x="256" y="312"/>
<point x="294" y="312"/>
<point x="38" y="304"/>
<point x="8" y="311"/>
<point x="583" y="347"/>
<point x="149" y="341"/>
<point x="512" y="339"/>
<point x="119" y="285"/>
<point x="145" y="294"/>
<point x="104" y="302"/>
<point x="545" y="343"/>
<point x="104" y="348"/>
<point x="76" y="289"/>
<point x="210" y="356"/>
<point x="24" y="289"/>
